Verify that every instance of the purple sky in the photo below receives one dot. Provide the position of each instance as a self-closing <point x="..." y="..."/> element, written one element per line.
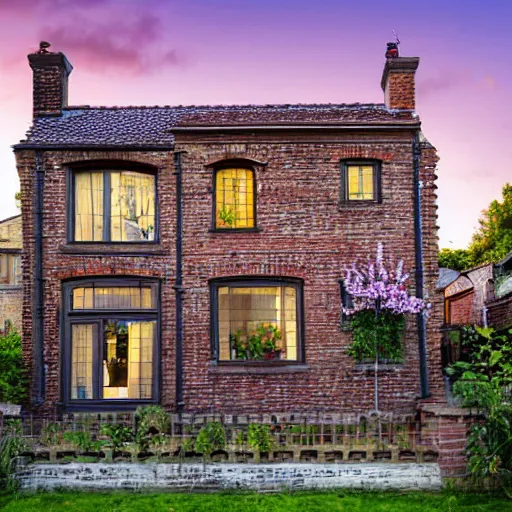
<point x="133" y="52"/>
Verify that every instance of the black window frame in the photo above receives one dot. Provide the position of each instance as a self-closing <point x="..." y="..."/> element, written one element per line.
<point x="377" y="182"/>
<point x="253" y="282"/>
<point x="107" y="168"/>
<point x="231" y="164"/>
<point x="98" y="316"/>
<point x="13" y="253"/>
<point x="346" y="302"/>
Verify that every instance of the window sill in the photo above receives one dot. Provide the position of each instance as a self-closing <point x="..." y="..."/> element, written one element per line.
<point x="384" y="367"/>
<point x="114" y="248"/>
<point x="258" y="368"/>
<point x="105" y="405"/>
<point x="235" y="230"/>
<point x="10" y="287"/>
<point x="361" y="203"/>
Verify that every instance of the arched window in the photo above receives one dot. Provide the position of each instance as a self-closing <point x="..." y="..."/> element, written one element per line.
<point x="113" y="205"/>
<point x="234" y="203"/>
<point x="110" y="341"/>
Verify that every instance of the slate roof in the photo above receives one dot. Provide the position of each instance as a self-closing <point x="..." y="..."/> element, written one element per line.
<point x="446" y="277"/>
<point x="152" y="126"/>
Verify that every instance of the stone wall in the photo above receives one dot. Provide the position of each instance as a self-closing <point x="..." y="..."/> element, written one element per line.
<point x="212" y="477"/>
<point x="11" y="302"/>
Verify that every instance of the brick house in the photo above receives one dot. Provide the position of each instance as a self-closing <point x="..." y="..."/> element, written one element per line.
<point x="11" y="292"/>
<point x="158" y="240"/>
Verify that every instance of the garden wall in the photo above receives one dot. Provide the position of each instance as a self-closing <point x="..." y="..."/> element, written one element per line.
<point x="201" y="477"/>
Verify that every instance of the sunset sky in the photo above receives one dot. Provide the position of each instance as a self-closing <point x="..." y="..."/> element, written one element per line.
<point x="159" y="52"/>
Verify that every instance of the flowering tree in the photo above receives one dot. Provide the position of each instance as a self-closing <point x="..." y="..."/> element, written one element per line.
<point x="379" y="299"/>
<point x="374" y="287"/>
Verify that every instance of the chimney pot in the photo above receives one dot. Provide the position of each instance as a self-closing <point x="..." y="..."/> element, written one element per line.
<point x="50" y="81"/>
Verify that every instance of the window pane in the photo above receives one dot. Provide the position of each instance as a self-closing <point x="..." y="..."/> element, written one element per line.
<point x="132" y="206"/>
<point x="88" y="206"/>
<point x="257" y="323"/>
<point x="82" y="339"/>
<point x="128" y="359"/>
<point x="360" y="182"/>
<point x="122" y="297"/>
<point x="234" y="198"/>
<point x="10" y="269"/>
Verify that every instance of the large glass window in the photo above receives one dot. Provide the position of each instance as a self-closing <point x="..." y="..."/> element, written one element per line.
<point x="257" y="320"/>
<point x="10" y="269"/>
<point x="111" y="339"/>
<point x="114" y="206"/>
<point x="234" y="199"/>
<point x="360" y="181"/>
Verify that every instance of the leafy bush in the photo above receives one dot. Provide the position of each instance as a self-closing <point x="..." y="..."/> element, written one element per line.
<point x="484" y="380"/>
<point x="387" y="329"/>
<point x="118" y="435"/>
<point x="210" y="438"/>
<point x="152" y="426"/>
<point x="12" y="444"/>
<point x="83" y="441"/>
<point x="13" y="381"/>
<point x="260" y="437"/>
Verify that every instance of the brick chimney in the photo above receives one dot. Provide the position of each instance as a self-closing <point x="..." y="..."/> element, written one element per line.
<point x="398" y="82"/>
<point x="50" y="81"/>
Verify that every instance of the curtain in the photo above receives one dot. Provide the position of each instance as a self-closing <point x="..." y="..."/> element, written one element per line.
<point x="88" y="206"/>
<point x="82" y="338"/>
<point x="140" y="359"/>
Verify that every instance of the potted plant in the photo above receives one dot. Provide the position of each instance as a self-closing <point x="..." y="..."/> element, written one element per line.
<point x="262" y="344"/>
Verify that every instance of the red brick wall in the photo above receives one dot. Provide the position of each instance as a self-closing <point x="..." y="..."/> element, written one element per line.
<point x="305" y="233"/>
<point x="461" y="309"/>
<point x="499" y="312"/>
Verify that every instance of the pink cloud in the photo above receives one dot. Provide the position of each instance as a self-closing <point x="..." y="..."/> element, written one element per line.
<point x="128" y="46"/>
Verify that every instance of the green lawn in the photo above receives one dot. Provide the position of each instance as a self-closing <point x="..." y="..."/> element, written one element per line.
<point x="303" y="502"/>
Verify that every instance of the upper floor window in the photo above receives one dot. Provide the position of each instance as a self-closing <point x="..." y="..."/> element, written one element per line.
<point x="257" y="319"/>
<point x="234" y="199"/>
<point x="360" y="181"/>
<point x="10" y="269"/>
<point x="114" y="206"/>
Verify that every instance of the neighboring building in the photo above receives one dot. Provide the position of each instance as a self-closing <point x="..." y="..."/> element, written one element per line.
<point x="479" y="296"/>
<point x="160" y="238"/>
<point x="11" y="291"/>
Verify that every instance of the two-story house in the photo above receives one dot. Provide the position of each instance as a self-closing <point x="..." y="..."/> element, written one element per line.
<point x="192" y="256"/>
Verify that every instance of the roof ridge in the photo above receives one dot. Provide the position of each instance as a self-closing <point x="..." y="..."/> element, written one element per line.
<point x="228" y="106"/>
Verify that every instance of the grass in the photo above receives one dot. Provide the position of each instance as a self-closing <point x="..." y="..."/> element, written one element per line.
<point x="283" y="502"/>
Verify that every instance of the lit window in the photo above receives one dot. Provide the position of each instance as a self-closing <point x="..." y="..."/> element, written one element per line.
<point x="10" y="269"/>
<point x="111" y="346"/>
<point x="114" y="206"/>
<point x="257" y="320"/>
<point x="360" y="181"/>
<point x="234" y="199"/>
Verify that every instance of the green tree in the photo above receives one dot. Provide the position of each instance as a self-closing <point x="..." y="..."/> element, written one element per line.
<point x="13" y="383"/>
<point x="457" y="259"/>
<point x="493" y="240"/>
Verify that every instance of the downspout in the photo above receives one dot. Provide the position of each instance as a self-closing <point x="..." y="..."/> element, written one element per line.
<point x="178" y="285"/>
<point x="37" y="312"/>
<point x="418" y="246"/>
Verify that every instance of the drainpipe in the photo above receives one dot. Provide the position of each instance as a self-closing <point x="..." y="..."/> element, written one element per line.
<point x="418" y="246"/>
<point x="178" y="285"/>
<point x="38" y="309"/>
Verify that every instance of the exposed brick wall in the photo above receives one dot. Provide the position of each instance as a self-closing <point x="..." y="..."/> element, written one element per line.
<point x="11" y="301"/>
<point x="305" y="233"/>
<point x="461" y="309"/>
<point x="11" y="233"/>
<point x="499" y="312"/>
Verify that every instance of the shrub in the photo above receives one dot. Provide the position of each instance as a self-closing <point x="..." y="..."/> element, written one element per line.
<point x="210" y="438"/>
<point x="260" y="437"/>
<point x="13" y="382"/>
